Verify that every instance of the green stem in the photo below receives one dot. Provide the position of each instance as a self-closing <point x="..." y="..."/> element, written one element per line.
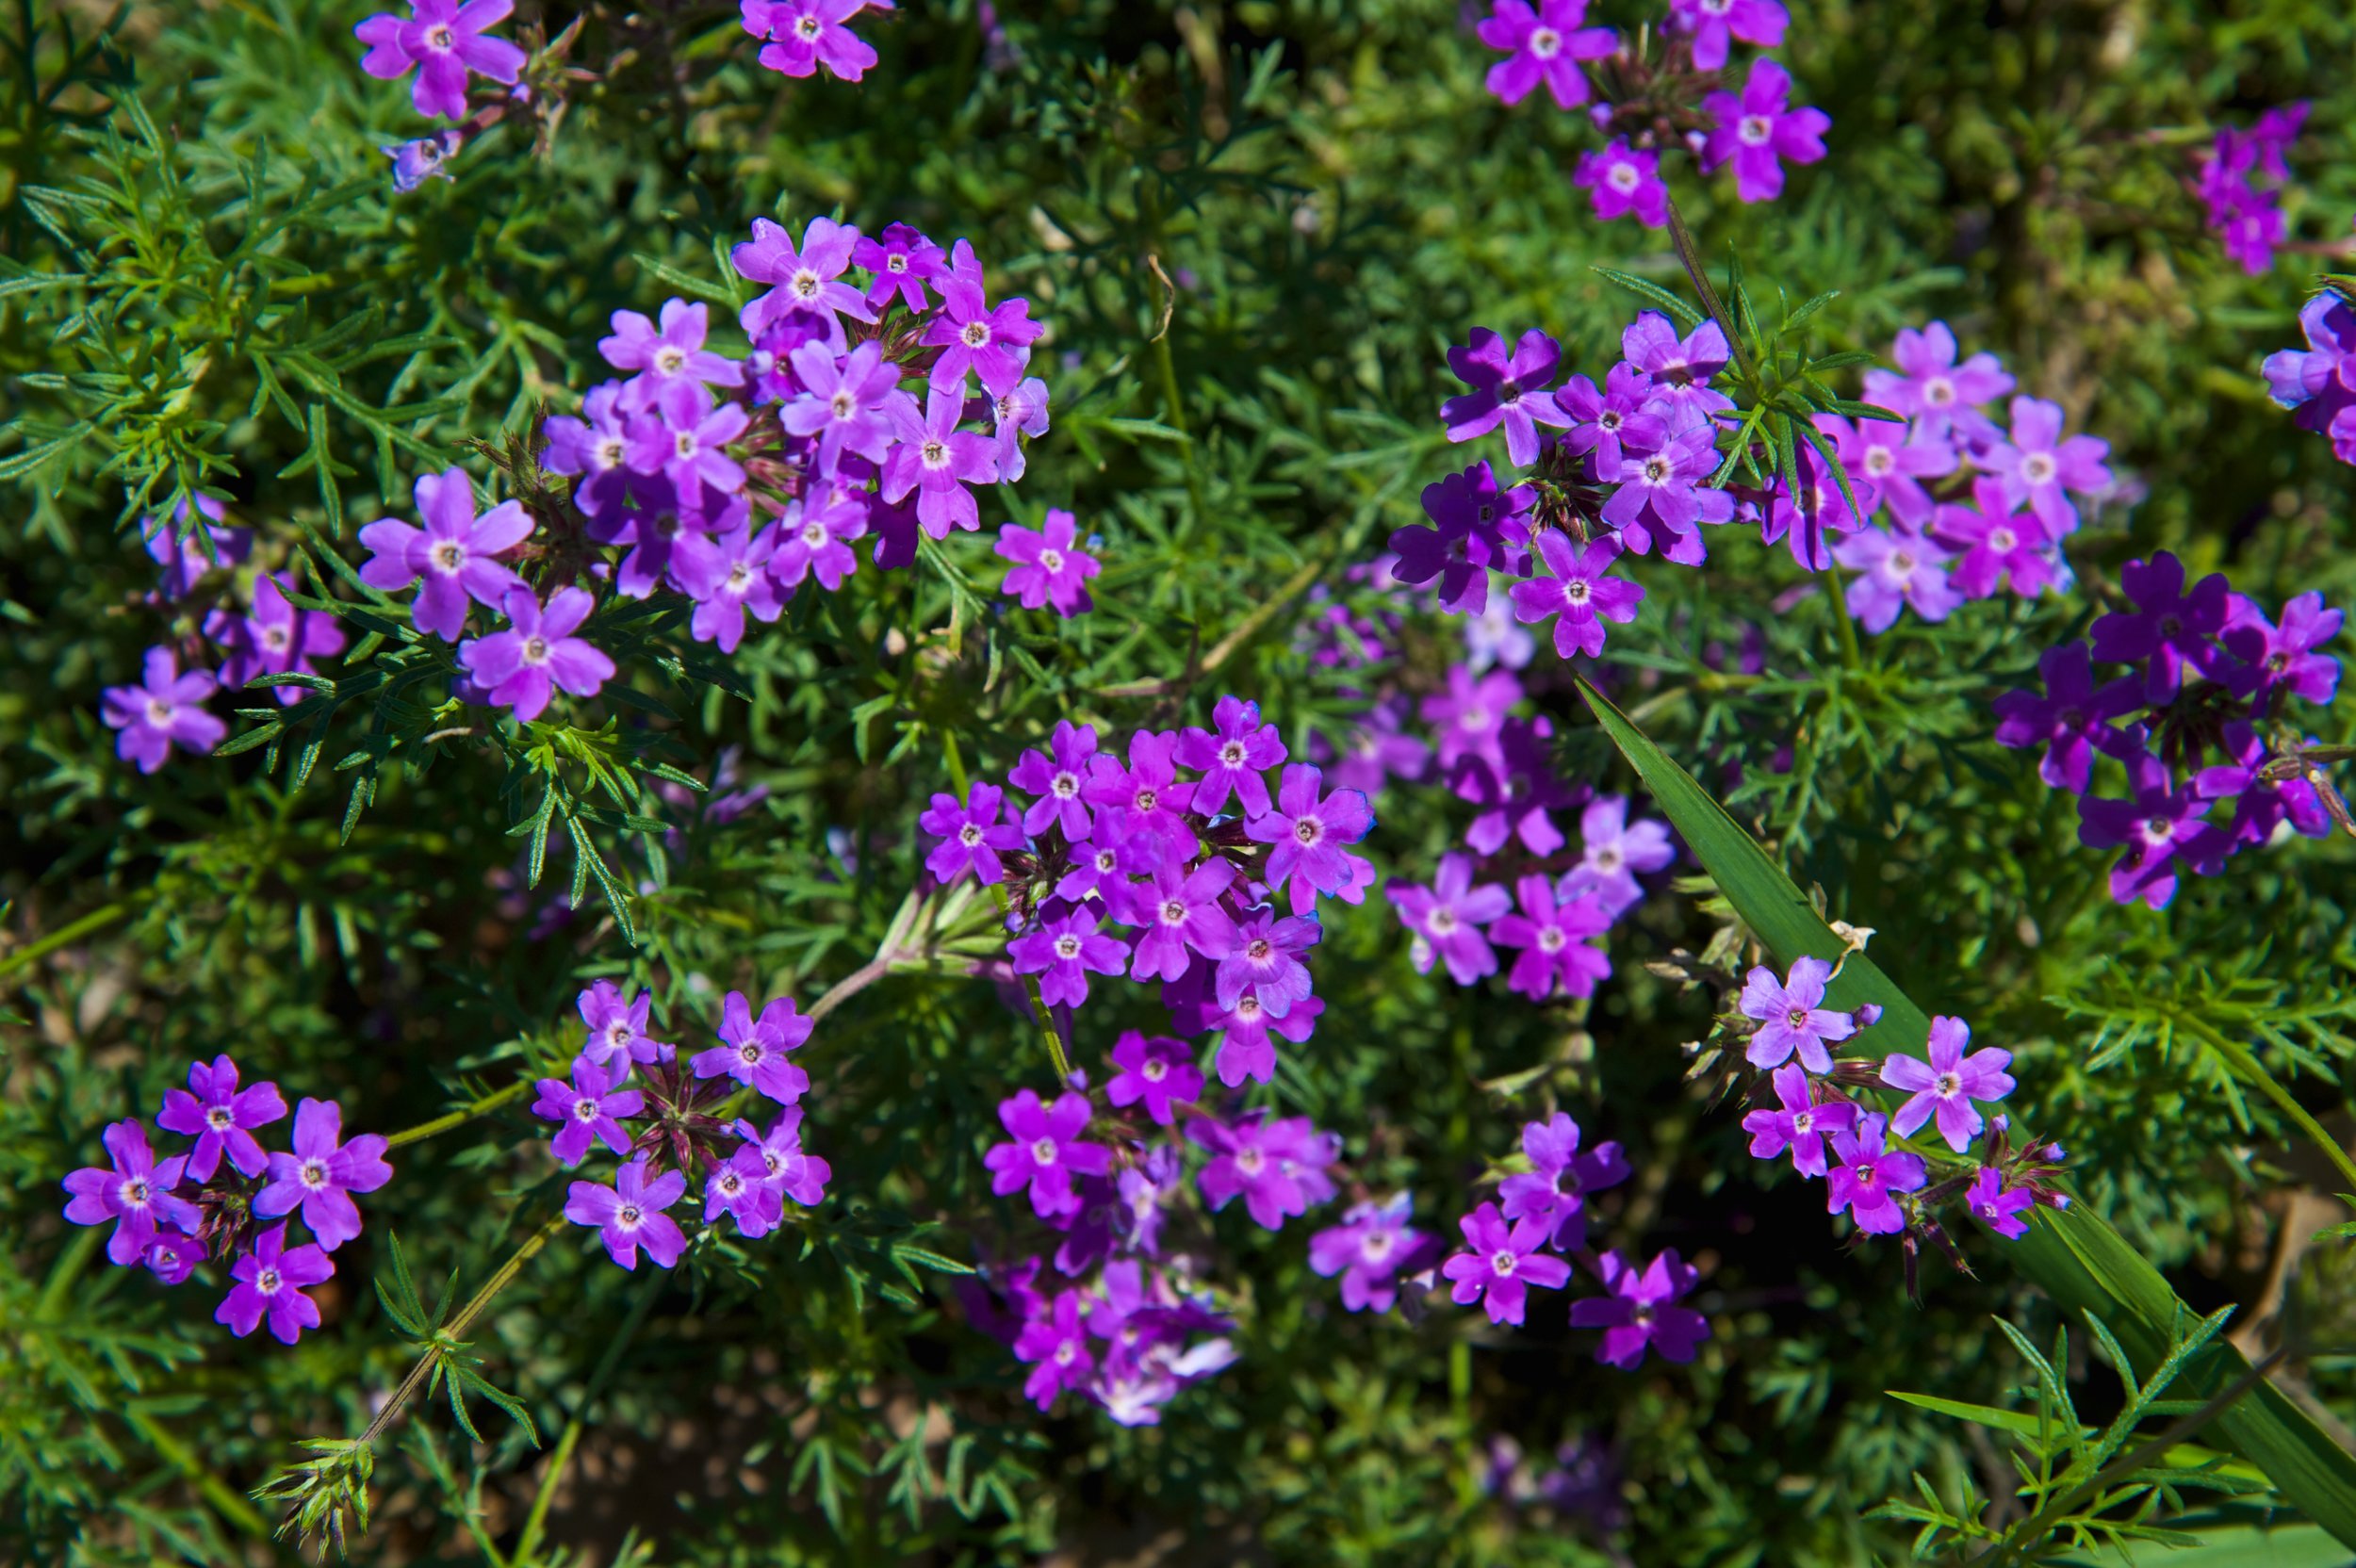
<point x="1177" y="414"/>
<point x="34" y="951"/>
<point x="529" y="1541"/>
<point x="1851" y="654"/>
<point x="458" y="1118"/>
<point x="459" y="1325"/>
<point x="68" y="1269"/>
<point x="2250" y="1071"/>
<point x="217" y="1492"/>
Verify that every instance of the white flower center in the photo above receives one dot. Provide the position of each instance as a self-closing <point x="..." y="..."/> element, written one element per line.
<point x="269" y="1281"/>
<point x="1155" y="1069"/>
<point x="440" y="39"/>
<point x="2004" y="541"/>
<point x="1503" y="1262"/>
<point x="1578" y="591"/>
<point x="805" y="284"/>
<point x="1173" y="912"/>
<point x="134" y="1192"/>
<point x="813" y="534"/>
<point x="607" y="454"/>
<point x="2037" y="468"/>
<point x="449" y="556"/>
<point x="1803" y="1121"/>
<point x="1251" y="1161"/>
<point x="1880" y="461"/>
<point x="2159" y="830"/>
<point x="1308" y="830"/>
<point x="1948" y="1086"/>
<point x="630" y="1217"/>
<point x="1796" y="1016"/>
<point x="1051" y="561"/>
<point x="1901" y="564"/>
<point x="843" y="404"/>
<point x="315" y="1175"/>
<point x="535" y="650"/>
<point x="1545" y="43"/>
<point x="1067" y="947"/>
<point x="584" y="1109"/>
<point x="669" y="360"/>
<point x="897" y="262"/>
<point x="751" y="1053"/>
<point x="969" y="835"/>
<point x="1043" y="1150"/>
<point x="1064" y="787"/>
<point x="1756" y="130"/>
<point x="934" y="453"/>
<point x="1441" y="921"/>
<point x="219" y="1119"/>
<point x="1375" y="1246"/>
<point x="1623" y="178"/>
<point x="974" y="334"/>
<point x="1551" y="938"/>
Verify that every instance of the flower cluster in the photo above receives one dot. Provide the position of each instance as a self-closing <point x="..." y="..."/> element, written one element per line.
<point x="2196" y="724"/>
<point x="214" y="1203"/>
<point x="627" y="1092"/>
<point x="2241" y="183"/>
<point x="800" y="36"/>
<point x="2320" y="382"/>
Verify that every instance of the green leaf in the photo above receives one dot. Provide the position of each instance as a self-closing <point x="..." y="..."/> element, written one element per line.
<point x="1685" y="314"/>
<point x="2071" y="1254"/>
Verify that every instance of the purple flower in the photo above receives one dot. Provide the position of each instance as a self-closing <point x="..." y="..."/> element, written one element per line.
<point x="1792" y="1017"/>
<point x="1182" y="912"/>
<point x="1802" y="518"/>
<point x="814" y="540"/>
<point x="1508" y="389"/>
<point x="673" y="352"/>
<point x="1308" y="834"/>
<point x="807" y="34"/>
<point x="1642" y="1312"/>
<point x="2320" y="381"/>
<point x="1897" y="567"/>
<point x="523" y="666"/>
<point x="322" y="1173"/>
<point x="1245" y="1049"/>
<point x="1369" y="1250"/>
<point x="1448" y="916"/>
<point x="421" y="158"/>
<point x="588" y="1107"/>
<point x="186" y="556"/>
<point x="1931" y="386"/>
<point x="1946" y="1086"/>
<point x="993" y="343"/>
<point x="1758" y="130"/>
<point x="2038" y="467"/>
<point x="2001" y="548"/>
<point x="1555" y="1191"/>
<point x="452" y="553"/>
<point x="735" y="1188"/>
<point x="1668" y="490"/>
<point x="846" y="401"/>
<point x="1046" y="1152"/>
<point x="2168" y="627"/>
<point x="684" y="439"/>
<point x="270" y="1282"/>
<point x="1470" y="715"/>
<point x="1049" y="567"/>
<point x="162" y="712"/>
<point x="1579" y="594"/>
<point x="442" y="42"/>
<point x="1057" y="783"/>
<point x="1894" y="458"/>
<point x="1057" y="1341"/>
<point x="786" y="1168"/>
<point x="971" y="835"/>
<point x="2285" y="655"/>
<point x="596" y="448"/>
<point x="1144" y="798"/>
<point x="1278" y="1166"/>
<point x="1062" y="952"/>
<point x="1553" y="938"/>
<point x="1801" y="1124"/>
<point x="1262" y="962"/>
<point x="1234" y="759"/>
<point x="728" y="575"/>
<point x="2072" y="719"/>
<point x="630" y="1213"/>
<point x="903" y="261"/>
<point x="275" y="639"/>
<point x="617" y="1027"/>
<point x="219" y="1115"/>
<point x="1497" y="1267"/>
<point x="1626" y="413"/>
<point x="1014" y="414"/>
<point x="754" y="1051"/>
<point x="2154" y="824"/>
<point x="1679" y="369"/>
<point x="1620" y="180"/>
<point x="1155" y="1070"/>
<point x="1543" y="45"/>
<point x="1614" y="851"/>
<point x="1998" y="1206"/>
<point x="1374" y="748"/>
<point x="937" y="461"/>
<point x="1867" y="1177"/>
<point x="136" y="1193"/>
<point x="807" y="292"/>
<point x="1714" y="23"/>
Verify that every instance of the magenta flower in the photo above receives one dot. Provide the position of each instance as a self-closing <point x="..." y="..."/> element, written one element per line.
<point x="162" y="712"/>
<point x="814" y="540"/>
<point x="1046" y="1152"/>
<point x="1555" y="1190"/>
<point x="2154" y="824"/>
<point x="787" y="1169"/>
<point x="1277" y="1166"/>
<point x="588" y="1108"/>
<point x="1580" y="596"/>
<point x="630" y="1213"/>
<point x="1057" y="782"/>
<point x="2001" y="548"/>
<point x="270" y="1282"/>
<point x="806" y="291"/>
<point x="2320" y="382"/>
<point x="846" y="401"/>
<point x="2285" y="655"/>
<point x="1371" y="1249"/>
<point x="1667" y="493"/>
<point x="1642" y="1311"/>
<point x="522" y="667"/>
<point x="807" y="34"/>
<point x="1497" y="1267"/>
<point x="1508" y="389"/>
<point x="1998" y="1206"/>
<point x="937" y="461"/>
<point x="1543" y="45"/>
<point x="594" y="449"/>
<point x="735" y="1188"/>
<point x="135" y="1193"/>
<point x="1614" y="850"/>
<point x="903" y="261"/>
<point x="1867" y="1178"/>
<point x="1800" y="1124"/>
<point x="322" y="1173"/>
<point x="1050" y="568"/>
<point x="1792" y="1017"/>
<point x="972" y="835"/>
<point x="1262" y="960"/>
<point x="993" y="343"/>
<point x="618" y="1027"/>
<point x="1678" y="368"/>
<point x="1373" y="750"/>
<point x="1155" y="1070"/>
<point x="1470" y="715"/>
<point x="2072" y="719"/>
<point x="1014" y="414"/>
<point x="1802" y="518"/>
<point x="1930" y="385"/>
<point x="1062" y="952"/>
<point x="452" y="553"/>
<point x="1448" y="916"/>
<point x="1554" y="939"/>
<point x="1620" y="180"/>
<point x="1234" y="759"/>
<point x="727" y="575"/>
<point x="1182" y="912"/>
<point x="1056" y="1340"/>
<point x="274" y="638"/>
<point x="1308" y="835"/>
<point x="187" y="557"/>
<point x="442" y="42"/>
<point x="1756" y="131"/>
<point x="1144" y="798"/>
<point x="219" y="1117"/>
<point x="1245" y="1049"/>
<point x="1628" y="413"/>
<point x="1898" y="569"/>
<point x="754" y="1051"/>
<point x="673" y="352"/>
<point x="685" y="437"/>
<point x="2169" y="628"/>
<point x="1715" y="23"/>
<point x="1946" y="1086"/>
<point x="2039" y="467"/>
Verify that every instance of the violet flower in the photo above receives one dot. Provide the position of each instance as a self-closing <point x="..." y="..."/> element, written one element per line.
<point x="754" y="1051"/>
<point x="1143" y="799"/>
<point x="935" y="461"/>
<point x="673" y="352"/>
<point x="135" y="1193"/>
<point x="1614" y="850"/>
<point x="1014" y="414"/>
<point x="2039" y="467"/>
<point x="1045" y="1151"/>
<point x="186" y="556"/>
<point x="787" y="1169"/>
<point x="727" y="575"/>
<point x="1057" y="782"/>
<point x="2169" y="628"/>
<point x="807" y="290"/>
<point x="1642" y="1311"/>
<point x="618" y="1027"/>
<point x="1369" y="1250"/>
<point x="1277" y="1166"/>
<point x="1897" y="569"/>
<point x="522" y="667"/>
<point x="2156" y="824"/>
<point x="629" y="1215"/>
<point x="1758" y="130"/>
<point x="1555" y="1190"/>
<point x="1667" y="492"/>
<point x="452" y="553"/>
<point x="219" y="1117"/>
<point x="274" y="638"/>
<point x="1232" y="761"/>
<point x="807" y="34"/>
<point x="1801" y="1123"/>
<point x="1308" y="835"/>
<point x="1155" y="1072"/>
<point x="1182" y="913"/>
<point x="1867" y="1178"/>
<point x="1714" y="24"/>
<point x="589" y="1109"/>
<point x="1946" y="1086"/>
<point x="1448" y="916"/>
<point x="1556" y="952"/>
<point x="1930" y="385"/>
<point x="2001" y="548"/>
<point x="1062" y="952"/>
<point x="269" y="1284"/>
<point x="443" y="43"/>
<point x="1049" y="567"/>
<point x="2283" y="655"/>
<point x="1792" y="1015"/>
<point x="814" y="540"/>
<point x="1057" y="1341"/>
<point x="322" y="1173"/>
<point x="1508" y="388"/>
<point x="993" y="343"/>
<point x="2072" y="720"/>
<point x="903" y="260"/>
<point x="1262" y="960"/>
<point x="162" y="712"/>
<point x="1579" y="594"/>
<point x="1497" y="1267"/>
<point x="1620" y="180"/>
<point x="972" y="835"/>
<point x="1998" y="1206"/>
<point x="1544" y="44"/>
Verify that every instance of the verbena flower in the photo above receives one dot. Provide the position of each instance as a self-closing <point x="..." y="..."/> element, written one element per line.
<point x="523" y="666"/>
<point x="1277" y="1166"/>
<point x="755" y="1051"/>
<point x="807" y="290"/>
<point x="2040" y="468"/>
<point x="1056" y="782"/>
<point x="806" y="33"/>
<point x="1543" y="44"/>
<point x="993" y="343"/>
<point x="1557" y="953"/>
<point x="1056" y="1341"/>
<point x="1045" y="1152"/>
<point x="1664" y="494"/>
<point x="187" y="554"/>
<point x="422" y="158"/>
<point x="1642" y="1313"/>
<point x="1509" y="387"/>
<point x="788" y="1170"/>
<point x="1555" y="1190"/>
<point x="1245" y="1049"/>
<point x="971" y="835"/>
<point x="629" y="1215"/>
<point x="2000" y="548"/>
<point x="1579" y="594"/>
<point x="1620" y="180"/>
<point x="221" y="1116"/>
<point x="1759" y="129"/>
<point x="727" y="575"/>
<point x="1946" y="1086"/>
<point x="1143" y="798"/>
<point x="1233" y="761"/>
<point x="846" y="401"/>
<point x="2169" y="626"/>
<point x="1014" y="414"/>
<point x="2072" y="719"/>
<point x="1062" y="952"/>
<point x="1713" y="24"/>
<point x="2157" y="824"/>
<point x="1156" y="1072"/>
<point x="1998" y="1206"/>
<point x="1262" y="959"/>
<point x="1448" y="917"/>
<point x="673" y="350"/>
<point x="1182" y="913"/>
<point x="2320" y="382"/>
<point x="1498" y="1266"/>
<point x="272" y="638"/>
<point x="452" y="553"/>
<point x="595" y="448"/>
<point x="443" y="43"/>
<point x="814" y="540"/>
<point x="135" y="1193"/>
<point x="270" y="1281"/>
<point x="587" y="1108"/>
<point x="1049" y="567"/>
<point x="684" y="438"/>
<point x="1801" y="1122"/>
<point x="1613" y="851"/>
<point x="1792" y="1018"/>
<point x="1307" y="832"/>
<point x="903" y="261"/>
<point x="1371" y="1249"/>
<point x="1629" y="413"/>
<point x="2284" y="653"/>
<point x="1895" y="458"/>
<point x="322" y="1173"/>
<point x="617" y="1024"/>
<point x="162" y="712"/>
<point x="1929" y="384"/>
<point x="935" y="461"/>
<point x="1897" y="569"/>
<point x="1470" y="714"/>
<point x="1868" y="1175"/>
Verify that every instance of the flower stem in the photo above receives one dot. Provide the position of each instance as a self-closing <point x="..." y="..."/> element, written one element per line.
<point x="97" y="920"/>
<point x="458" y="1118"/>
<point x="459" y="1325"/>
<point x="1851" y="654"/>
<point x="558" y="1461"/>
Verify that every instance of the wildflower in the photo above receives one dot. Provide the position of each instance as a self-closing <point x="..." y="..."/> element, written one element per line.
<point x="1999" y="1206"/>
<point x="1014" y="414"/>
<point x="1946" y="1086"/>
<point x="1543" y="44"/>
<point x="2154" y="824"/>
<point x="806" y="291"/>
<point x="684" y="439"/>
<point x="727" y="575"/>
<point x="1614" y="850"/>
<point x="1894" y="458"/>
<point x="1062" y="952"/>
<point x="1896" y="568"/>
<point x="1369" y="1250"/>
<point x="935" y="461"/>
<point x="1555" y="1190"/>
<point x="452" y="553"/>
<point x="2320" y="382"/>
<point x="185" y="553"/>
<point x="754" y="1051"/>
<point x="1553" y="938"/>
<point x="1470" y="715"/>
<point x="1232" y="761"/>
<point x="1930" y="385"/>
<point x="846" y="401"/>
<point x="629" y="1215"/>
<point x="992" y="343"/>
<point x="1679" y="368"/>
<point x="807" y="34"/>
<point x="1049" y="567"/>
<point x="2038" y="467"/>
<point x="162" y="712"/>
<point x="1057" y="782"/>
<point x="1801" y="1124"/>
<point x="903" y="261"/>
<point x="1642" y="1311"/>
<point x="1181" y="912"/>
<point x="1626" y="413"/>
<point x="1245" y="1049"/>
<point x="673" y="352"/>
<point x="136" y="1193"/>
<point x="1715" y="23"/>
<point x="787" y="1169"/>
<point x="1046" y="1152"/>
<point x="443" y="43"/>
<point x="274" y="638"/>
<point x="221" y="1116"/>
<point x="2285" y="655"/>
<point x="588" y="1108"/>
<point x="1518" y="800"/>
<point x="2072" y="719"/>
<point x="1143" y="799"/>
<point x="1619" y="180"/>
<point x="1867" y="1177"/>
<point x="522" y="667"/>
<point x="1579" y="594"/>
<point x="2169" y="628"/>
<point x="1277" y="1166"/>
<point x="618" y="1027"/>
<point x="1373" y="750"/>
<point x="322" y="1173"/>
<point x="1667" y="490"/>
<point x="1497" y="1267"/>
<point x="1803" y="516"/>
<point x="1156" y="1072"/>
<point x="1056" y="1340"/>
<point x="972" y="835"/>
<point x="1508" y="389"/>
<point x="270" y="1282"/>
<point x="1308" y="834"/>
<point x="813" y="540"/>
<point x="1756" y="131"/>
<point x="735" y="1188"/>
<point x="1262" y="961"/>
<point x="595" y="450"/>
<point x="1448" y="917"/>
<point x="422" y="158"/>
<point x="2001" y="548"/>
<point x="1792" y="1015"/>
